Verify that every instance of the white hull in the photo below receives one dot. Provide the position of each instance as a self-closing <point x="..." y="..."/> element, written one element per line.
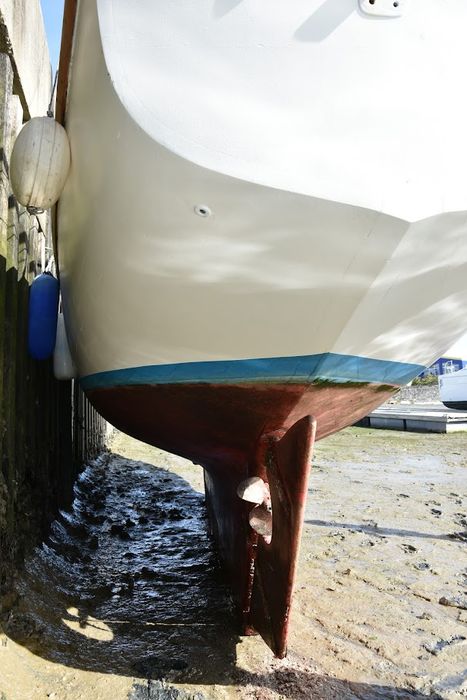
<point x="453" y="389"/>
<point x="329" y="232"/>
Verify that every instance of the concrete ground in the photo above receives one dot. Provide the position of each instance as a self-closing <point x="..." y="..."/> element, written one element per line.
<point x="124" y="600"/>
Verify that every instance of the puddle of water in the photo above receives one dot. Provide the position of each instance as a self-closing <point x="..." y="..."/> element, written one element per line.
<point x="128" y="582"/>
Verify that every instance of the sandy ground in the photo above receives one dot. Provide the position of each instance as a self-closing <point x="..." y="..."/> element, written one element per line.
<point x="124" y="600"/>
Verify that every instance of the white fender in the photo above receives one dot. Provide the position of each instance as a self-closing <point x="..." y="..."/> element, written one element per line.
<point x="39" y="163"/>
<point x="64" y="367"/>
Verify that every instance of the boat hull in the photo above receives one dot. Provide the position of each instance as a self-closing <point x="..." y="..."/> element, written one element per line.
<point x="453" y="390"/>
<point x="243" y="273"/>
<point x="271" y="273"/>
<point x="219" y="425"/>
<point x="456" y="405"/>
<point x="228" y="429"/>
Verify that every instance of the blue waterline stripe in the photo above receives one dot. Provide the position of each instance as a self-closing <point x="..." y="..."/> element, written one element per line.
<point x="305" y="368"/>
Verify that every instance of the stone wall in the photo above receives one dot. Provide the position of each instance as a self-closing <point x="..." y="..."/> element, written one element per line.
<point x="47" y="428"/>
<point x="22" y="38"/>
<point x="417" y="393"/>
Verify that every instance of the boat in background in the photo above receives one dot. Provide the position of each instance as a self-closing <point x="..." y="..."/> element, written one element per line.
<point x="453" y="390"/>
<point x="262" y="237"/>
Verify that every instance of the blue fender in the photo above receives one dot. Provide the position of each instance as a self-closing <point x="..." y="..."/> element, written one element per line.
<point x="43" y="312"/>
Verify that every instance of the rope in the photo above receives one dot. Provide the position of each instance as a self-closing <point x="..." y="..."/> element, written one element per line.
<point x="50" y="111"/>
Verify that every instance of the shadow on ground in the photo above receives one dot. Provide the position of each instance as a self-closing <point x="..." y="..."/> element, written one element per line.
<point x="384" y="531"/>
<point x="128" y="584"/>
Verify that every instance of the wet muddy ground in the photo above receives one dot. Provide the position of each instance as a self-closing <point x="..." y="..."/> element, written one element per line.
<point x="125" y="600"/>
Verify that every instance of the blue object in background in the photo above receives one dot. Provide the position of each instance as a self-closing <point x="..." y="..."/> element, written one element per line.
<point x="444" y="365"/>
<point x="43" y="312"/>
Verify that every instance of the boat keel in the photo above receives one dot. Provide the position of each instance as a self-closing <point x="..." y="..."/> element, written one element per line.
<point x="261" y="565"/>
